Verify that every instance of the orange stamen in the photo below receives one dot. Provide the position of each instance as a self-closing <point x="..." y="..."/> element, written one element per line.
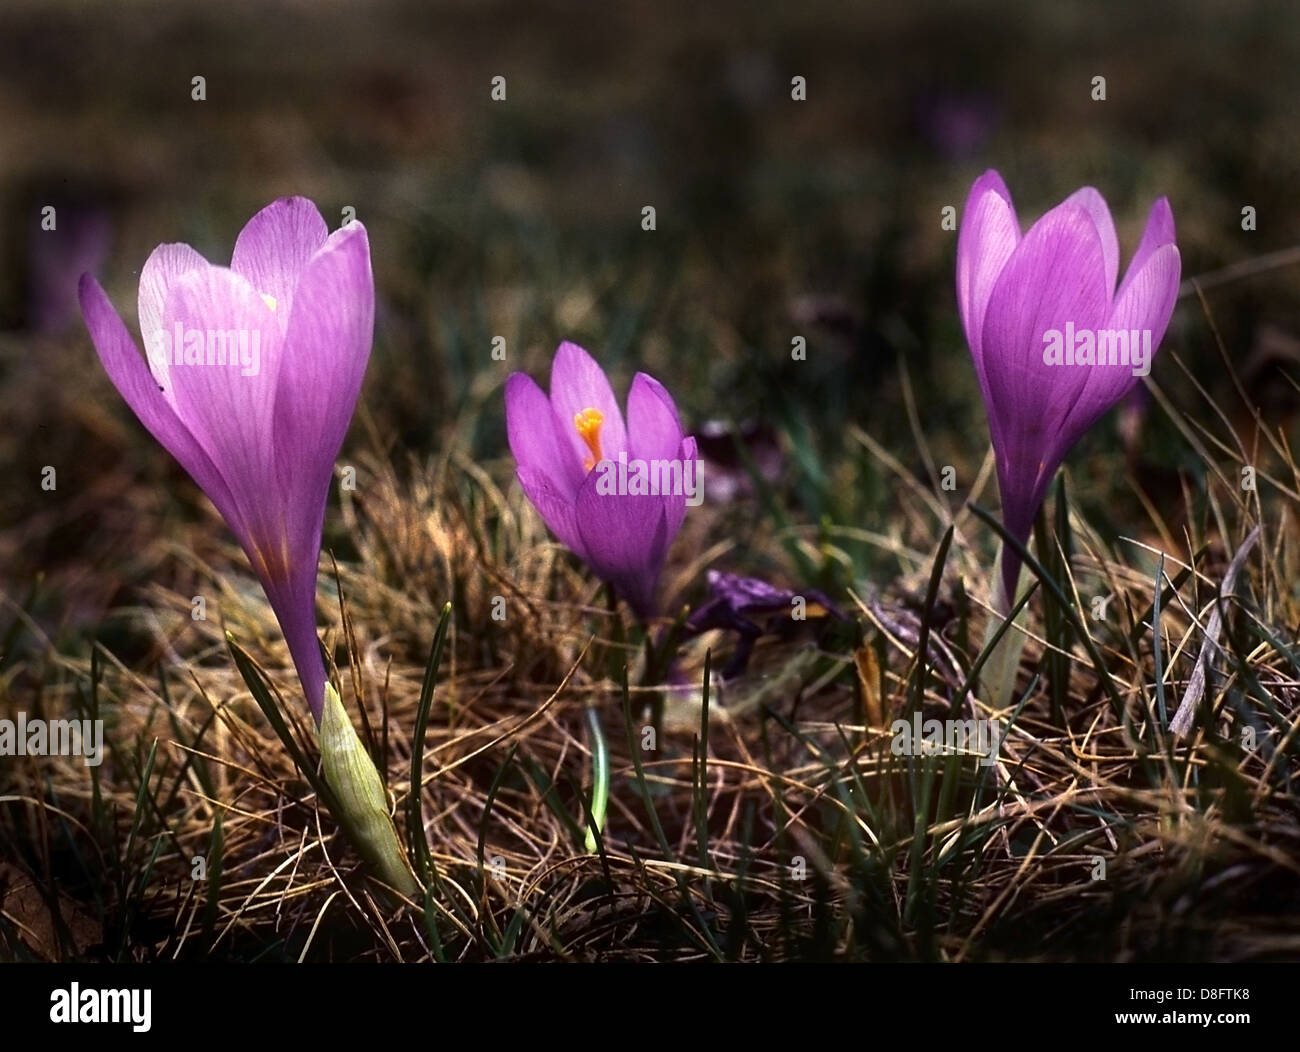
<point x="588" y="424"/>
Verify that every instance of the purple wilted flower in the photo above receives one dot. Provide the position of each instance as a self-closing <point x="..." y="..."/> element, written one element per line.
<point x="1054" y="341"/>
<point x="615" y="494"/>
<point x="253" y="372"/>
<point x="752" y="608"/>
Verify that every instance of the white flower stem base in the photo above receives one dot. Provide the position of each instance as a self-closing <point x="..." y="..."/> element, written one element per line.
<point x="998" y="677"/>
<point x="351" y="774"/>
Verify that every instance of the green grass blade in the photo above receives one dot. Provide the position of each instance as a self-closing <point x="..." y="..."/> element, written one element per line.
<point x="417" y="843"/>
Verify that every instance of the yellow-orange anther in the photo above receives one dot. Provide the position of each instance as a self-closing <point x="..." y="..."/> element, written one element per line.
<point x="588" y="425"/>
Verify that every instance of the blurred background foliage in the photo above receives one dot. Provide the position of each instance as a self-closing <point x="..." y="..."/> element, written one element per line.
<point x="522" y="219"/>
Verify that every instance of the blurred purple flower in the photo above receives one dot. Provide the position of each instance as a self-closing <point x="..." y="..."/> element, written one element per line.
<point x="1043" y="319"/>
<point x="257" y="431"/>
<point x="58" y="258"/>
<point x="958" y="125"/>
<point x="730" y="473"/>
<point x="615" y="495"/>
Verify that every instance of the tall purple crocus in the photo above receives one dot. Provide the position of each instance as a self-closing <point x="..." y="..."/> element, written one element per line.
<point x="253" y="372"/>
<point x="1054" y="341"/>
<point x="614" y="493"/>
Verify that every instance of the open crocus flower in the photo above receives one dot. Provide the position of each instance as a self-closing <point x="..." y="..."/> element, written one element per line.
<point x="615" y="494"/>
<point x="252" y="375"/>
<point x="253" y="372"/>
<point x="1054" y="341"/>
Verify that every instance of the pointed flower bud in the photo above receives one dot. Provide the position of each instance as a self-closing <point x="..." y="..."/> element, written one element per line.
<point x="1055" y="342"/>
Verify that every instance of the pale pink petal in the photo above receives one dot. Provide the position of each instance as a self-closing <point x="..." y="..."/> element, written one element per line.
<point x="126" y="368"/>
<point x="228" y="412"/>
<point x="165" y="264"/>
<point x="988" y="235"/>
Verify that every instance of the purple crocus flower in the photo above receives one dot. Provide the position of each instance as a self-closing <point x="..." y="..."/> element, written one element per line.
<point x="1054" y="341"/>
<point x="615" y="494"/>
<point x="253" y="372"/>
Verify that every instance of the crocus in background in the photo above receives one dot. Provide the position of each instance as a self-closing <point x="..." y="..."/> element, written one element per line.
<point x="1055" y="342"/>
<point x="252" y="374"/>
<point x="57" y="258"/>
<point x="614" y="493"/>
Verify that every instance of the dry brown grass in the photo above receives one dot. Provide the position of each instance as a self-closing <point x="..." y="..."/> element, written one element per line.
<point x="1198" y="841"/>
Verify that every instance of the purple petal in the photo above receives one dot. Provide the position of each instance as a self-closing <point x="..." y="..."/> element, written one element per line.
<point x="323" y="362"/>
<point x="1060" y="279"/>
<point x="655" y="434"/>
<point x="230" y="414"/>
<point x="1149" y="295"/>
<point x="1145" y="305"/>
<point x="322" y="365"/>
<point x="675" y="504"/>
<point x="1145" y="302"/>
<point x="535" y="441"/>
<point x="274" y="247"/>
<point x="165" y="264"/>
<point x="1055" y="277"/>
<point x="1158" y="232"/>
<point x="989" y="233"/>
<point x="1094" y="204"/>
<point x="578" y="383"/>
<point x="126" y="368"/>
<point x="654" y="429"/>
<point x="626" y="540"/>
<point x="735" y="596"/>
<point x="555" y="508"/>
